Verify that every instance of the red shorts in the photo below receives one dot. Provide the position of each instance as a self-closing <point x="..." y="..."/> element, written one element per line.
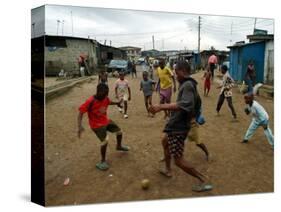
<point x="207" y="84"/>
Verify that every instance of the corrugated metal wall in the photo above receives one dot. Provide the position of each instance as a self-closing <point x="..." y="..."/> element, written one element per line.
<point x="240" y="57"/>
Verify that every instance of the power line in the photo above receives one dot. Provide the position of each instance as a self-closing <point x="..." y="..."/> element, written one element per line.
<point x="138" y="33"/>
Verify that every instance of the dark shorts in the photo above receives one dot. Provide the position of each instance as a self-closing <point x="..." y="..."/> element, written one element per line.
<point x="176" y="144"/>
<point x="101" y="132"/>
<point x="212" y="66"/>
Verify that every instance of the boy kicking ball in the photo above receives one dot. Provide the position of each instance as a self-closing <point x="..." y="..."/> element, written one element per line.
<point x="178" y="126"/>
<point x="96" y="107"/>
<point x="260" y="119"/>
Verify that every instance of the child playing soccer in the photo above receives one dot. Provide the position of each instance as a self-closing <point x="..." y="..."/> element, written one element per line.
<point x="96" y="107"/>
<point x="260" y="119"/>
<point x="193" y="136"/>
<point x="207" y="83"/>
<point x="179" y="124"/>
<point x="165" y="83"/>
<point x="123" y="92"/>
<point x="147" y="86"/>
<point x="226" y="93"/>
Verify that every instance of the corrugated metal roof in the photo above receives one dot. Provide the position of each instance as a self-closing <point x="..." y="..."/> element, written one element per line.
<point x="244" y="44"/>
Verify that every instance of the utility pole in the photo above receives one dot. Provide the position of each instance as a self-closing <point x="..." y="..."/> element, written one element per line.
<point x="199" y="29"/>
<point x="110" y="43"/>
<point x="62" y="24"/>
<point x="153" y="42"/>
<point x="33" y="29"/>
<point x="255" y="25"/>
<point x="71" y="22"/>
<point x="231" y="32"/>
<point x="58" y="23"/>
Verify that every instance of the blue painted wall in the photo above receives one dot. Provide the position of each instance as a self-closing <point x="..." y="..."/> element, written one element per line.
<point x="240" y="57"/>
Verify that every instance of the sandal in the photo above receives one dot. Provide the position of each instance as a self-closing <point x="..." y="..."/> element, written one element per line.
<point x="103" y="166"/>
<point x="123" y="148"/>
<point x="202" y="187"/>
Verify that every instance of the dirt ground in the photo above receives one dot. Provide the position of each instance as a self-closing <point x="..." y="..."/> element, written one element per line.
<point x="234" y="168"/>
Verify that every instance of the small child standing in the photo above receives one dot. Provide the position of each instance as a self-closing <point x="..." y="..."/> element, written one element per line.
<point x="96" y="107"/>
<point x="147" y="86"/>
<point x="103" y="77"/>
<point x="207" y="83"/>
<point x="123" y="92"/>
<point x="260" y="118"/>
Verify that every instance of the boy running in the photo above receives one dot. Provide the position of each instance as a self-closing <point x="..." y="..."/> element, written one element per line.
<point x="179" y="124"/>
<point x="260" y="119"/>
<point x="226" y="93"/>
<point x="207" y="82"/>
<point x="147" y="86"/>
<point x="166" y="81"/>
<point x="96" y="107"/>
<point x="123" y="92"/>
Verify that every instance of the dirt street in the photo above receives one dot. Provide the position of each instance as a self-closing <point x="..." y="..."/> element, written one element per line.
<point x="234" y="168"/>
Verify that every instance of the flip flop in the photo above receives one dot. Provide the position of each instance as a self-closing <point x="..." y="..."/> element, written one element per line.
<point x="165" y="173"/>
<point x="103" y="166"/>
<point x="202" y="187"/>
<point x="123" y="148"/>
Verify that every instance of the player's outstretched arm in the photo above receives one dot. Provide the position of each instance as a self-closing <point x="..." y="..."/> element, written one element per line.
<point x="159" y="107"/>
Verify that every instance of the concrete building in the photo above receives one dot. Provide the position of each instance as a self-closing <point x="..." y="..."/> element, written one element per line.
<point x="62" y="52"/>
<point x="106" y="53"/>
<point x="150" y="53"/>
<point x="132" y="52"/>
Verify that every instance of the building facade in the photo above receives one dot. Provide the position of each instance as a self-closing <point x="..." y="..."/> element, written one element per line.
<point x="132" y="52"/>
<point x="107" y="53"/>
<point x="260" y="50"/>
<point x="63" y="53"/>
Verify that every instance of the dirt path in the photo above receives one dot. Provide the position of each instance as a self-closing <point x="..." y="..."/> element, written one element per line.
<point x="234" y="168"/>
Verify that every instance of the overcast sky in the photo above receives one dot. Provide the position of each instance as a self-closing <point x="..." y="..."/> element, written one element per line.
<point x="135" y="28"/>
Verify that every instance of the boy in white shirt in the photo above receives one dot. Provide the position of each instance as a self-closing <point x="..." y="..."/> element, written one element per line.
<point x="260" y="118"/>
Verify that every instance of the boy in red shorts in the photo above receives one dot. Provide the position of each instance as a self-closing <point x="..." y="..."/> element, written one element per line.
<point x="207" y="83"/>
<point x="96" y="107"/>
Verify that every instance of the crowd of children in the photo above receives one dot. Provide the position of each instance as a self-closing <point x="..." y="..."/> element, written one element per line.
<point x="183" y="117"/>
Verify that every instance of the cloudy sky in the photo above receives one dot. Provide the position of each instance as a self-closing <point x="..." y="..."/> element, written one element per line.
<point x="135" y="28"/>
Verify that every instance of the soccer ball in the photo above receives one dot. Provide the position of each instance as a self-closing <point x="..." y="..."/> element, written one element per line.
<point x="145" y="184"/>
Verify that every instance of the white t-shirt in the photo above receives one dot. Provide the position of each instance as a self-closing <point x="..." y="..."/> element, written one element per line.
<point x="258" y="112"/>
<point x="122" y="87"/>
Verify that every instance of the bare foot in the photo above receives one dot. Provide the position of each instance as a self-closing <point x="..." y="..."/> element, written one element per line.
<point x="166" y="173"/>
